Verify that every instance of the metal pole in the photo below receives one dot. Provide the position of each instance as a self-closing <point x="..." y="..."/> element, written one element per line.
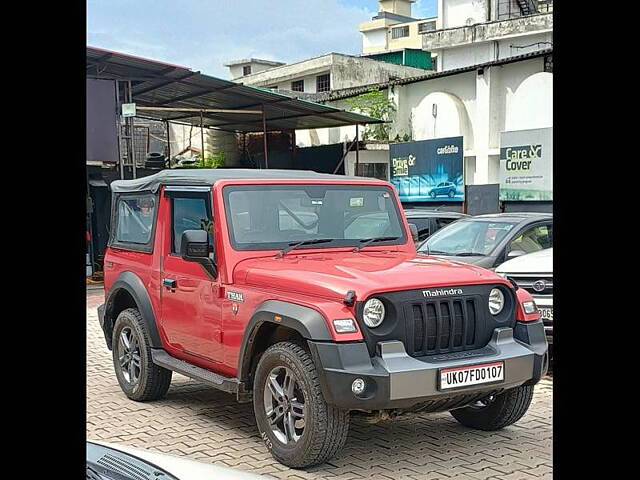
<point x="166" y="122"/>
<point x="357" y="149"/>
<point x="293" y="148"/>
<point x="264" y="136"/>
<point x="202" y="135"/>
<point x="119" y="129"/>
<point x="132" y="134"/>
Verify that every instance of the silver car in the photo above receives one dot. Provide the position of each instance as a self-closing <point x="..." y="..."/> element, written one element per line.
<point x="489" y="240"/>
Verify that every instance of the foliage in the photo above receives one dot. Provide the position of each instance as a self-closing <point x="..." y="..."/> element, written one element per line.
<point x="375" y="104"/>
<point x="211" y="161"/>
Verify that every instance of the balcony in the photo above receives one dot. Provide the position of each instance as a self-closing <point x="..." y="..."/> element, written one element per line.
<point x="485" y="32"/>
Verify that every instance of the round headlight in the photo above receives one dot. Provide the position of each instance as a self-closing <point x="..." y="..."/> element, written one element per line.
<point x="496" y="301"/>
<point x="373" y="313"/>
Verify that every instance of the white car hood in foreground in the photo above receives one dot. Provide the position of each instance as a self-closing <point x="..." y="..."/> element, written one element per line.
<point x="183" y="468"/>
<point x="536" y="262"/>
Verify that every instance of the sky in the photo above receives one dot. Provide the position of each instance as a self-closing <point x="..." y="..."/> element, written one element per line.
<point x="205" y="34"/>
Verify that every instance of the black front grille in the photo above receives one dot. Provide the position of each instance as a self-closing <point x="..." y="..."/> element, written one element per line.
<point x="441" y="326"/>
<point x="429" y="322"/>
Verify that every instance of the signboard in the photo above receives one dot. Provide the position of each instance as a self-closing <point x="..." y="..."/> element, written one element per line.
<point x="101" y="122"/>
<point x="428" y="170"/>
<point x="128" y="110"/>
<point x="526" y="165"/>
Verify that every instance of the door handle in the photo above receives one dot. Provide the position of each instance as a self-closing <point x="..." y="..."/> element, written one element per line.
<point x="169" y="283"/>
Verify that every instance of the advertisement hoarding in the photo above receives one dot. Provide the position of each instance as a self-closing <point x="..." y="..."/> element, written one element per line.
<point x="428" y="170"/>
<point x="526" y="165"/>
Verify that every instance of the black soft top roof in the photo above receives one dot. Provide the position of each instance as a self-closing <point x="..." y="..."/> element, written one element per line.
<point x="201" y="176"/>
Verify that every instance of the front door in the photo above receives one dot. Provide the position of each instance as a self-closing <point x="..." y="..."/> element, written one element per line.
<point x="191" y="309"/>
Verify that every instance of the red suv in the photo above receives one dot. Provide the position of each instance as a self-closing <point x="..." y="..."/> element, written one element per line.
<point x="303" y="293"/>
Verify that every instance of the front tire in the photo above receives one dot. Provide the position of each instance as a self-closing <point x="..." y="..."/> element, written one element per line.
<point x="451" y="193"/>
<point x="504" y="410"/>
<point x="297" y="425"/>
<point x="140" y="379"/>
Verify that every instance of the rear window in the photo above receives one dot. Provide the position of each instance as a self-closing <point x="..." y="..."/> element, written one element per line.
<point x="135" y="216"/>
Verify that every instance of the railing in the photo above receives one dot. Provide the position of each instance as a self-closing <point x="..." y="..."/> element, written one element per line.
<point x="520" y="8"/>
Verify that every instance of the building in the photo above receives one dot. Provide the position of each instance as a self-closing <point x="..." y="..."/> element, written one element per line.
<point x="393" y="29"/>
<point x="475" y="32"/>
<point x="242" y="68"/>
<point x="487" y="106"/>
<point x="333" y="71"/>
<point x="464" y="33"/>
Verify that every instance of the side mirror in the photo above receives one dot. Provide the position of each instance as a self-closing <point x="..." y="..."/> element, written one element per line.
<point x="194" y="247"/>
<point x="515" y="253"/>
<point x="414" y="231"/>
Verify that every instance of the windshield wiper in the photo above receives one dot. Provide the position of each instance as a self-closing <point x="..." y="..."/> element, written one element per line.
<point x="294" y="245"/>
<point x="367" y="241"/>
<point x="469" y="254"/>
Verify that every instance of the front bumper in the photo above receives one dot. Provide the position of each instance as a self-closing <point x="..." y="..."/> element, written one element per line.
<point x="396" y="380"/>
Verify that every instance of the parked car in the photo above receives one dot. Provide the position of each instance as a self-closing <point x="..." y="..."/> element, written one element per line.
<point x="109" y="461"/>
<point x="444" y="188"/>
<point x="429" y="221"/>
<point x="534" y="273"/>
<point x="489" y="240"/>
<point x="309" y="319"/>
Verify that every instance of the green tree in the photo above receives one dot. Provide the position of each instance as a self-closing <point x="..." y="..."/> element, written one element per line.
<point x="374" y="103"/>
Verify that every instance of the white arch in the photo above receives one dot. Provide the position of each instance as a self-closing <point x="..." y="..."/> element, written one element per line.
<point x="531" y="105"/>
<point x="452" y="119"/>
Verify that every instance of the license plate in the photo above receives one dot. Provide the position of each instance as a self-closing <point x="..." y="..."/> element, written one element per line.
<point x="546" y="313"/>
<point x="471" y="375"/>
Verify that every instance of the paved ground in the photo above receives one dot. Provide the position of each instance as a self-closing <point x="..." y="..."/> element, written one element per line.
<point x="207" y="425"/>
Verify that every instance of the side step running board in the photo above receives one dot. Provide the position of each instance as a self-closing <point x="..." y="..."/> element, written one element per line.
<point x="163" y="359"/>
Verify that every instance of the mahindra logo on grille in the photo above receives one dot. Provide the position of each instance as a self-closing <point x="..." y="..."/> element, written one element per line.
<point x="442" y="292"/>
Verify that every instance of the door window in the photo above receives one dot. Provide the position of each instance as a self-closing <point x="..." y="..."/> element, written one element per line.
<point x="189" y="213"/>
<point x="533" y="239"/>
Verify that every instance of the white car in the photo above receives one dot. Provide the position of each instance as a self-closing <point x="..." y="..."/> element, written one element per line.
<point x="534" y="273"/>
<point x="108" y="461"/>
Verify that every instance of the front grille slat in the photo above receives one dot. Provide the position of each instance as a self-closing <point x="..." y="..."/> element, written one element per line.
<point x="442" y="326"/>
<point x="452" y="324"/>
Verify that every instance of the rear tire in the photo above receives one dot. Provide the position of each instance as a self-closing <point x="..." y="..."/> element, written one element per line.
<point x="140" y="379"/>
<point x="320" y="429"/>
<point x="506" y="409"/>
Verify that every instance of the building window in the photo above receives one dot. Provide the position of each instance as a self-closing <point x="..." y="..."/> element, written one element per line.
<point x="323" y="83"/>
<point x="426" y="27"/>
<point x="373" y="170"/>
<point x="399" y="32"/>
<point x="246" y="70"/>
<point x="434" y="63"/>
<point x="548" y="63"/>
<point x="297" y="86"/>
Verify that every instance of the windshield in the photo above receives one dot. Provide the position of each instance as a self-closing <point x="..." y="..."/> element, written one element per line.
<point x="264" y="217"/>
<point x="467" y="237"/>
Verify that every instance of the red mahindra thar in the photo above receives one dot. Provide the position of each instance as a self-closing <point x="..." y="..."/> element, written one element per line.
<point x="303" y="293"/>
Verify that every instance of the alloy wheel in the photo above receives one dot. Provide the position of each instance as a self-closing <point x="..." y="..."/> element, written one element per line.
<point x="129" y="355"/>
<point x="284" y="405"/>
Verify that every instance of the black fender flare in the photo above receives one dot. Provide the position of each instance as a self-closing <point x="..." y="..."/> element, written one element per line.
<point x="132" y="283"/>
<point x="309" y="323"/>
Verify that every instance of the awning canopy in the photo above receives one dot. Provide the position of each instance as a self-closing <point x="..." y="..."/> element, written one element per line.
<point x="157" y="84"/>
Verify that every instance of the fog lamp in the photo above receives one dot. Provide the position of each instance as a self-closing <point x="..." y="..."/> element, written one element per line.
<point x="358" y="386"/>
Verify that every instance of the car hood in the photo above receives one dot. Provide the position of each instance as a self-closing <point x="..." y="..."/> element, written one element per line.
<point x="333" y="274"/>
<point x="536" y="262"/>
<point x="184" y="468"/>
